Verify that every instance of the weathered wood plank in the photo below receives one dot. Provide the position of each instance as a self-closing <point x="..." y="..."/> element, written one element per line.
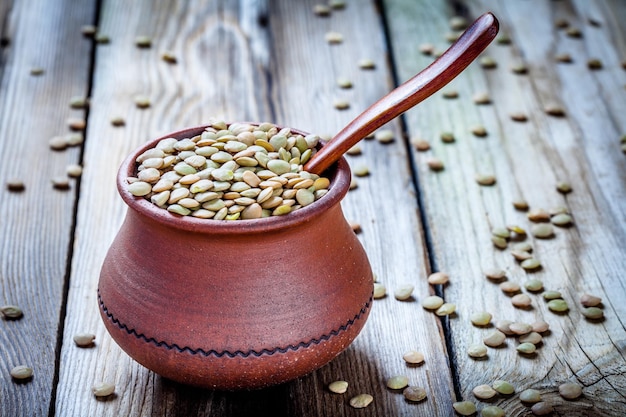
<point x="37" y="223"/>
<point x="248" y="61"/>
<point x="528" y="160"/>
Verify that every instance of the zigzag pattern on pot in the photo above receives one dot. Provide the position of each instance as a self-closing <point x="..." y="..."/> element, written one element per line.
<point x="252" y="352"/>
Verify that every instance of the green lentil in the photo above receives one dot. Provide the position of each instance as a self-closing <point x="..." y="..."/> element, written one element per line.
<point x="593" y="313"/>
<point x="11" y="312"/>
<point x="321" y="10"/>
<point x="503" y="387"/>
<point x="84" y="339"/>
<point x="413" y="357"/>
<point x="526" y="348"/>
<point x="530" y="264"/>
<point x="530" y="396"/>
<point x="484" y="392"/>
<point x="446" y="309"/>
<point x="499" y="242"/>
<point x="481" y="318"/>
<point x="432" y="302"/>
<point x="558" y="305"/>
<point x="542" y="231"/>
<point x="404" y="292"/>
<point x="379" y="290"/>
<point x="361" y="401"/>
<point x="464" y="408"/>
<point x="561" y="220"/>
<point x="103" y="389"/>
<point x="502" y="232"/>
<point x="21" y="373"/>
<point x="551" y="295"/>
<point x="492" y="411"/>
<point x="361" y="171"/>
<point x="477" y="351"/>
<point x="570" y="391"/>
<point x="398" y="382"/>
<point x="338" y="387"/>
<point x="534" y="285"/>
<point x="414" y="394"/>
<point x="523" y="246"/>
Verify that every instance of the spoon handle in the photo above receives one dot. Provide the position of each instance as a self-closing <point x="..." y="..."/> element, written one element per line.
<point x="443" y="70"/>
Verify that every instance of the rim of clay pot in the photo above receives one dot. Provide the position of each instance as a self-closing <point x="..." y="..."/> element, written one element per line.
<point x="339" y="176"/>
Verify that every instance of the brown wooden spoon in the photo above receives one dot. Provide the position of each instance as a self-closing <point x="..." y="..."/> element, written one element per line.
<point x="443" y="70"/>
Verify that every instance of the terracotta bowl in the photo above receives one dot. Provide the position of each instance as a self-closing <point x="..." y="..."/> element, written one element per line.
<point x="235" y="304"/>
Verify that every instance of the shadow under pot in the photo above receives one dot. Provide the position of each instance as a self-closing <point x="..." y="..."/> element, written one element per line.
<point x="234" y="304"/>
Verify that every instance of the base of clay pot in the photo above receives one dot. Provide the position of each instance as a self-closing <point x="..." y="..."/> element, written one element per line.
<point x="207" y="368"/>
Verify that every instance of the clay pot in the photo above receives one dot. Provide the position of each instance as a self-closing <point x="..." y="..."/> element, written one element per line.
<point x="234" y="304"/>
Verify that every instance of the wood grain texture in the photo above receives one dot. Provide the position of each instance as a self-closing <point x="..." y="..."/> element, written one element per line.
<point x="247" y="61"/>
<point x="36" y="224"/>
<point x="528" y="160"/>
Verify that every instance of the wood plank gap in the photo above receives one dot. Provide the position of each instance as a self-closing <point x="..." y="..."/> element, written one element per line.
<point x="70" y="247"/>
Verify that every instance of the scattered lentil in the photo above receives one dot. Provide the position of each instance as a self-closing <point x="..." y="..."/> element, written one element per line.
<point x="495" y="274"/>
<point x="494" y="339"/>
<point x="426" y="48"/>
<point x="532" y="337"/>
<point x="561" y="220"/>
<point x="356" y="227"/>
<point x="143" y="41"/>
<point x="60" y="183"/>
<point x="521" y="301"/>
<point x="338" y="387"/>
<point x="593" y="313"/>
<point x="421" y="145"/>
<point x="551" y="295"/>
<point x="447" y="137"/>
<point x="485" y="179"/>
<point x="573" y="32"/>
<point x="84" y="339"/>
<point x="118" y="121"/>
<point x="337" y="4"/>
<point x="482" y="98"/>
<point x="36" y="71"/>
<point x="384" y="136"/>
<point x="534" y="285"/>
<point x="588" y="300"/>
<point x="398" y="382"/>
<point x="438" y="278"/>
<point x="413" y="357"/>
<point x="102" y="39"/>
<point x="530" y="396"/>
<point x="361" y="401"/>
<point x="21" y="373"/>
<point x="477" y="351"/>
<point x="540" y="326"/>
<point x="526" y="348"/>
<point x="564" y="58"/>
<point x="558" y="305"/>
<point x="169" y="57"/>
<point x="538" y="215"/>
<point x="519" y="69"/>
<point x="414" y="394"/>
<point x="367" y="64"/>
<point x="481" y="318"/>
<point x="432" y="302"/>
<point x="520" y="328"/>
<point x="103" y="389"/>
<point x="74" y="170"/>
<point x="542" y="408"/>
<point x="488" y="62"/>
<point x="88" y="31"/>
<point x="458" y="23"/>
<point x="464" y="408"/>
<point x="446" y="309"/>
<point x="340" y="104"/>
<point x="379" y="290"/>
<point x="15" y="185"/>
<point x="530" y="264"/>
<point x="564" y="187"/>
<point x="344" y="83"/>
<point x="450" y="94"/>
<point x="503" y="387"/>
<point x="554" y="110"/>
<point x="78" y="102"/>
<point x="542" y="231"/>
<point x="11" y="312"/>
<point x="57" y="143"/>
<point x="404" y="292"/>
<point x="142" y="102"/>
<point x="503" y="39"/>
<point x="452" y="36"/>
<point x="570" y="391"/>
<point x="505" y="327"/>
<point x="479" y="131"/>
<point x="435" y="164"/>
<point x="520" y="255"/>
<point x="510" y="287"/>
<point x="484" y="392"/>
<point x="492" y="411"/>
<point x="520" y="204"/>
<point x="518" y="117"/>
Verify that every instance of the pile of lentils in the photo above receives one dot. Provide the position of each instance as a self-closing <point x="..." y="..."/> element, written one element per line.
<point x="230" y="172"/>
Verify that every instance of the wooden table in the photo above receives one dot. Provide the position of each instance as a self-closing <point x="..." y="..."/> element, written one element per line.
<point x="269" y="61"/>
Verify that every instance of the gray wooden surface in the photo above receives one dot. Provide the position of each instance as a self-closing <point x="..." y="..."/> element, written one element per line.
<point x="269" y="61"/>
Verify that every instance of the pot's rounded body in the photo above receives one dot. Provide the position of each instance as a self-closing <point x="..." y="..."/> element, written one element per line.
<point x="235" y="304"/>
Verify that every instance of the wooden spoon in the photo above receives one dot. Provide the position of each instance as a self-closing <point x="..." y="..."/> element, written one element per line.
<point x="443" y="70"/>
